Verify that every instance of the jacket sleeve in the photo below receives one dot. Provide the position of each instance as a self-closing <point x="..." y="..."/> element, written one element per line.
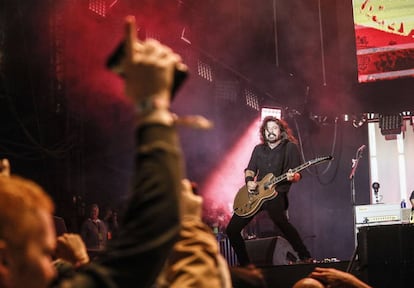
<point x="150" y="224"/>
<point x="196" y="260"/>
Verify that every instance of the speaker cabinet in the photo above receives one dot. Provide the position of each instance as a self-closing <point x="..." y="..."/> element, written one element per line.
<point x="386" y="255"/>
<point x="271" y="251"/>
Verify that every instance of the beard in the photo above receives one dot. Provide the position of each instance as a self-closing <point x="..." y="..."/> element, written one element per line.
<point x="272" y="138"/>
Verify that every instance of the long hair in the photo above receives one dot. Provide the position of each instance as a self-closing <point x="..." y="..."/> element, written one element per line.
<point x="285" y="131"/>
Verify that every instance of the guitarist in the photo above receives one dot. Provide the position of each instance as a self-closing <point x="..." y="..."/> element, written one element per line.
<point x="277" y="153"/>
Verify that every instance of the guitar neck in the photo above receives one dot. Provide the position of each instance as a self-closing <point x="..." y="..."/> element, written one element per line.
<point x="294" y="170"/>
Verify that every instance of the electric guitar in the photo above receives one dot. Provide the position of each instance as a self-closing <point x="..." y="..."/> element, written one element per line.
<point x="247" y="203"/>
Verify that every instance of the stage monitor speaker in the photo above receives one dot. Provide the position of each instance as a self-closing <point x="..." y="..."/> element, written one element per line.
<point x="271" y="251"/>
<point x="386" y="255"/>
<point x="386" y="244"/>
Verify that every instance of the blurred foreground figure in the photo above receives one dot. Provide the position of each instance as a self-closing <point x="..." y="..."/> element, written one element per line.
<point x="330" y="278"/>
<point x="151" y="222"/>
<point x="161" y="220"/>
<point x="27" y="234"/>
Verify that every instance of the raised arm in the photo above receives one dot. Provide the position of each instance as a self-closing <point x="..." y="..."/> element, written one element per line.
<point x="150" y="224"/>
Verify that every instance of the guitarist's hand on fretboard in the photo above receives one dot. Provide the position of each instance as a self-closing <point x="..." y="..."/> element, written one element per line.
<point x="292" y="176"/>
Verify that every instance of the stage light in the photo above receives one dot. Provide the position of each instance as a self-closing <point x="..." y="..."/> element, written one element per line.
<point x="184" y="36"/>
<point x="101" y="7"/>
<point x="204" y="70"/>
<point x="390" y="124"/>
<point x="359" y="120"/>
<point x="271" y="111"/>
<point x="372" y="116"/>
<point x="345" y="117"/>
<point x="251" y="99"/>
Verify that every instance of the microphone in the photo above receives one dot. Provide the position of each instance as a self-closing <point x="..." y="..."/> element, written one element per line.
<point x="360" y="149"/>
<point x="375" y="186"/>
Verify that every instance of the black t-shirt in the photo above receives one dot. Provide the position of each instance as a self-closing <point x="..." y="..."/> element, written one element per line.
<point x="278" y="160"/>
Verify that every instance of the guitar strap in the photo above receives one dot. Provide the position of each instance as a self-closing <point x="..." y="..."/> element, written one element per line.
<point x="284" y="157"/>
<point x="283" y="168"/>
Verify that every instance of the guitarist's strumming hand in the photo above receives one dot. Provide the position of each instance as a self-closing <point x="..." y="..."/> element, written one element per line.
<point x="292" y="176"/>
<point x="251" y="187"/>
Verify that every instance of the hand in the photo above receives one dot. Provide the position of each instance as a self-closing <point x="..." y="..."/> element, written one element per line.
<point x="70" y="247"/>
<point x="337" y="278"/>
<point x="251" y="186"/>
<point x="4" y="167"/>
<point x="149" y="69"/>
<point x="191" y="204"/>
<point x="292" y="176"/>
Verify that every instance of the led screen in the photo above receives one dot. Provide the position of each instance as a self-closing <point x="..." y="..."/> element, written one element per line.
<point x="384" y="35"/>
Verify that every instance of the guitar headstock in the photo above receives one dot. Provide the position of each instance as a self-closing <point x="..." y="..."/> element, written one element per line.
<point x="321" y="159"/>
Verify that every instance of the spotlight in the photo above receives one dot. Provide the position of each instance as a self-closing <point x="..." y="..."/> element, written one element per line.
<point x="372" y="116"/>
<point x="359" y="120"/>
<point x="390" y="124"/>
<point x="101" y="7"/>
<point x="271" y="111"/>
<point x="345" y="117"/>
<point x="251" y="98"/>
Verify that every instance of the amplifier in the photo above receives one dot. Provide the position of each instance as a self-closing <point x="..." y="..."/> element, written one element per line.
<point x="377" y="213"/>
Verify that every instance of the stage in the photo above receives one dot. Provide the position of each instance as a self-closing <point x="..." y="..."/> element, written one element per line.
<point x="384" y="258"/>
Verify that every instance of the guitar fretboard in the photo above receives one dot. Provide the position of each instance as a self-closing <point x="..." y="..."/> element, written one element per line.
<point x="298" y="169"/>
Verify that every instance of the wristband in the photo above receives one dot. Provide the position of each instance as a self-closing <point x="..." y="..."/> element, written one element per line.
<point x="248" y="178"/>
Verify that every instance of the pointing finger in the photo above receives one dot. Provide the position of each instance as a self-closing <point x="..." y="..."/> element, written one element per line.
<point x="130" y="36"/>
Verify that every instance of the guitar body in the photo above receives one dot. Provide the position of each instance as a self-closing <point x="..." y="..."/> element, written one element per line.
<point x="247" y="204"/>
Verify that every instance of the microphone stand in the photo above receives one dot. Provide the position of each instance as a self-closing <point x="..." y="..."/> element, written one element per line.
<point x="352" y="175"/>
<point x="352" y="178"/>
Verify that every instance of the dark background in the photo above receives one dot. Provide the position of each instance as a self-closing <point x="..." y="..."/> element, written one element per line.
<point x="65" y="122"/>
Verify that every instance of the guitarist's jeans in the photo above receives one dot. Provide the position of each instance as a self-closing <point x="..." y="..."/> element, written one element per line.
<point x="277" y="212"/>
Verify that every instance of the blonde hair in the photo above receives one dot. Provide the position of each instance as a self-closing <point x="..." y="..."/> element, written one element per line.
<point x="20" y="202"/>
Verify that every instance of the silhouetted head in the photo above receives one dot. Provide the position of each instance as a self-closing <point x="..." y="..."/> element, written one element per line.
<point x="308" y="283"/>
